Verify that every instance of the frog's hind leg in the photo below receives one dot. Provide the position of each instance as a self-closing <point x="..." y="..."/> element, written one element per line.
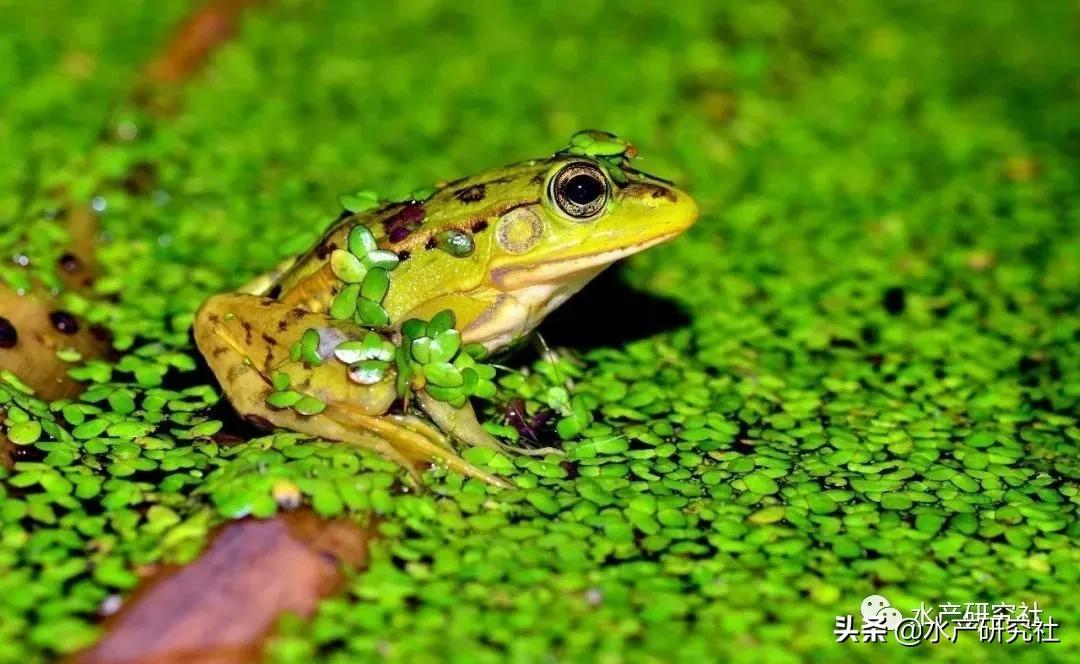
<point x="246" y="339"/>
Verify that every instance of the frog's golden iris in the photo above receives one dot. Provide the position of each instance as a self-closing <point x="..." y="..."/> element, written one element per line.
<point x="579" y="190"/>
<point x="537" y="231"/>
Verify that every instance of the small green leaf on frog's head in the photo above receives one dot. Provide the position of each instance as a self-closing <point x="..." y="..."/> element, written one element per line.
<point x="596" y="143"/>
<point x="617" y="174"/>
<point x="607" y="149"/>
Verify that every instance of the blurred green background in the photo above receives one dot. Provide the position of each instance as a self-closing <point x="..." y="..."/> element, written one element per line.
<point x="874" y="388"/>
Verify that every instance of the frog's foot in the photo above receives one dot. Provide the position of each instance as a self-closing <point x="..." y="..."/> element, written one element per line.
<point x="461" y="423"/>
<point x="246" y="340"/>
<point x="400" y="441"/>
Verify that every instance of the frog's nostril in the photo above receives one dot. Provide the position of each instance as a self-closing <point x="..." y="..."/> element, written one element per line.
<point x="664" y="192"/>
<point x="643" y="191"/>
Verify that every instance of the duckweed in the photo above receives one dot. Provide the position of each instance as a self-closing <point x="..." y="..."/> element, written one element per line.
<point x="855" y="375"/>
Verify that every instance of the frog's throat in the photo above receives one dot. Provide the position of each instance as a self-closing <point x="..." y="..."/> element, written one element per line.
<point x="527" y="294"/>
<point x="516" y="313"/>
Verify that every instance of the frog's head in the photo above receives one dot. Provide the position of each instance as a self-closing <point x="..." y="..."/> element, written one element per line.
<point x="579" y="220"/>
<point x="508" y="246"/>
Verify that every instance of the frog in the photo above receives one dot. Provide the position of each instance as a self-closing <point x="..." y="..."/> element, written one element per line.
<point x="483" y="259"/>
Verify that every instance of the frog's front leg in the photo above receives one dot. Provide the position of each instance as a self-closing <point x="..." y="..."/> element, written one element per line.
<point x="246" y="340"/>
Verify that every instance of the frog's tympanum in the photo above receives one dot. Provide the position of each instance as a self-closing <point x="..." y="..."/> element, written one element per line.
<point x="376" y="335"/>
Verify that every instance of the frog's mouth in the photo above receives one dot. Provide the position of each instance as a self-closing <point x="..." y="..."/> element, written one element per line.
<point x="567" y="271"/>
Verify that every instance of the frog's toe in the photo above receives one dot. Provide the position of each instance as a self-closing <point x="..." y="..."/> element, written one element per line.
<point x="460" y="423"/>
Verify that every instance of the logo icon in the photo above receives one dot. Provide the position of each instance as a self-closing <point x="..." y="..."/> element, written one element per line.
<point x="877" y="611"/>
<point x="992" y="623"/>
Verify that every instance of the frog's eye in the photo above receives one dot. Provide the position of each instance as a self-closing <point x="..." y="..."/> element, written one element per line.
<point x="580" y="191"/>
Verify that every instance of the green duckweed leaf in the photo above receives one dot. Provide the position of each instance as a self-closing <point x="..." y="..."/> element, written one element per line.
<point x="309" y="406"/>
<point x="343" y="306"/>
<point x="387" y="260"/>
<point x="347" y="266"/>
<point x="443" y="374"/>
<point x="376" y="284"/>
<point x="371" y="313"/>
<point x="283" y="398"/>
<point x="24" y="433"/>
<point x="368" y="372"/>
<point x="440" y="322"/>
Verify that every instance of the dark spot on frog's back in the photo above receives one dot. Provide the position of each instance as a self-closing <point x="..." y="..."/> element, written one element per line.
<point x="295" y="315"/>
<point x="479" y="225"/>
<point x="325" y="249"/>
<point x="473" y="194"/>
<point x="403" y="222"/>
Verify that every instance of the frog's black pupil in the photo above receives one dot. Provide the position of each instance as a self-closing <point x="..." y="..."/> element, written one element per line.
<point x="583" y="189"/>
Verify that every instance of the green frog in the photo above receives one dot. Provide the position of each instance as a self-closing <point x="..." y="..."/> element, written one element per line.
<point x="375" y="336"/>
